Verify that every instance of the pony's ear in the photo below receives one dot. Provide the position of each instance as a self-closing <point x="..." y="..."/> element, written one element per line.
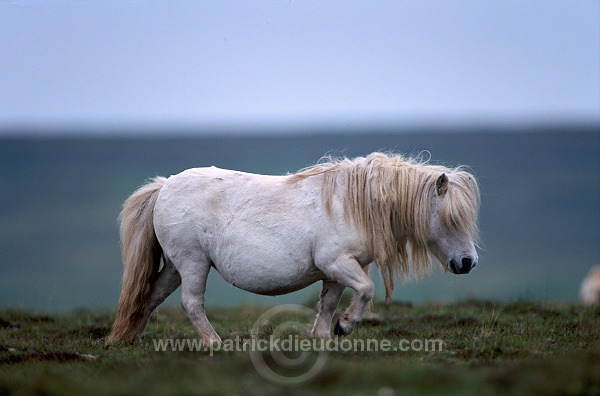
<point x="441" y="185"/>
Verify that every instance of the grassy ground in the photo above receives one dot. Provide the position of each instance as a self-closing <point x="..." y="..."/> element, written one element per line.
<point x="522" y="347"/>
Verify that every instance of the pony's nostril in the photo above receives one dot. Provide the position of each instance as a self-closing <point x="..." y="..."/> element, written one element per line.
<point x="466" y="262"/>
<point x="464" y="265"/>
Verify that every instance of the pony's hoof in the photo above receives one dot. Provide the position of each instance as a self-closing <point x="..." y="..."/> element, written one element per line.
<point x="339" y="331"/>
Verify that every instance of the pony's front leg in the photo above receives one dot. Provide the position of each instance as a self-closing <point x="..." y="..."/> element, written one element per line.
<point x="348" y="272"/>
<point x="328" y="302"/>
<point x="193" y="287"/>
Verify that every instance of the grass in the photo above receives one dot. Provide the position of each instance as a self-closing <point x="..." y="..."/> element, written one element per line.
<point x="523" y="347"/>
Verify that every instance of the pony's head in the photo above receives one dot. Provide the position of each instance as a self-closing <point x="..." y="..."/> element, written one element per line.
<point x="453" y="221"/>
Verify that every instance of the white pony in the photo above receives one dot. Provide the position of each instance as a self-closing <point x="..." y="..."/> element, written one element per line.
<point x="589" y="292"/>
<point x="276" y="234"/>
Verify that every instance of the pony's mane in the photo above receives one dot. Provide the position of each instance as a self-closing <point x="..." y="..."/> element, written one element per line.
<point x="389" y="197"/>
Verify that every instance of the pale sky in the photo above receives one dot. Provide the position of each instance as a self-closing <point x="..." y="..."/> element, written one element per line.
<point x="242" y="63"/>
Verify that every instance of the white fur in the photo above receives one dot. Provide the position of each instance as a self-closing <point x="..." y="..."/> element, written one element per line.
<point x="277" y="234"/>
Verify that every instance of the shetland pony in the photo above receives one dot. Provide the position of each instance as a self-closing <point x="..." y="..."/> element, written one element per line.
<point x="276" y="234"/>
<point x="589" y="292"/>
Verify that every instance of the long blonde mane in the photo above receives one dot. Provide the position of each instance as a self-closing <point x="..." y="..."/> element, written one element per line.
<point x="389" y="198"/>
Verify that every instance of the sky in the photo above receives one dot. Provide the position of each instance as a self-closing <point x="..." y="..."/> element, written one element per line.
<point x="199" y="64"/>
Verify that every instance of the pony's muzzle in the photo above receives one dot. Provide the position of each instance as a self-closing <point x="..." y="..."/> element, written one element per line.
<point x="464" y="265"/>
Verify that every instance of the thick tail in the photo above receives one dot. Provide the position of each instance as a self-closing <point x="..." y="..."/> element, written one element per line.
<point x="141" y="258"/>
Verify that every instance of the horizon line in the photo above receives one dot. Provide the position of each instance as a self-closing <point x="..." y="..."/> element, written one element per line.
<point x="279" y="129"/>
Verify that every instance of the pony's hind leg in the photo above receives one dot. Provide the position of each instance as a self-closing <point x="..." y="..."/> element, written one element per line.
<point x="193" y="286"/>
<point x="346" y="270"/>
<point x="168" y="280"/>
<point x="328" y="302"/>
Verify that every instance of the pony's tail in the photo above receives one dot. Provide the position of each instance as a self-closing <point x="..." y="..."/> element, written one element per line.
<point x="141" y="259"/>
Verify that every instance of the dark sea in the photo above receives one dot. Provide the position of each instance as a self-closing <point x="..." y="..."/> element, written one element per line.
<point x="60" y="198"/>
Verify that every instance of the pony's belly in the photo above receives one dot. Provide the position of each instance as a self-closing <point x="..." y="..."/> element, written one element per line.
<point x="271" y="281"/>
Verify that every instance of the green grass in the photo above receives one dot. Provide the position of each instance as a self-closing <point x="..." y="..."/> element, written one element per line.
<point x="523" y="347"/>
